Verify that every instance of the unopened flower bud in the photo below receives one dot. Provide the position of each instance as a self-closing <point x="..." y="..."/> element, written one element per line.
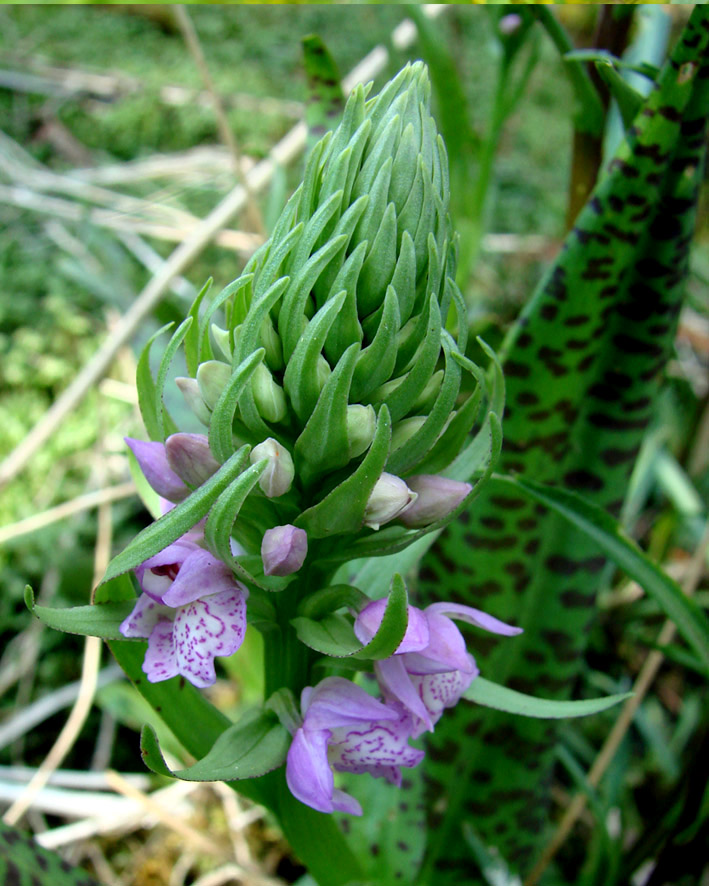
<point x="323" y="371"/>
<point x="190" y="458"/>
<point x="361" y="423"/>
<point x="222" y="339"/>
<point x="278" y="477"/>
<point x="193" y="399"/>
<point x="437" y="497"/>
<point x="272" y="343"/>
<point x="269" y="396"/>
<point x="212" y="377"/>
<point x="405" y="429"/>
<point x="154" y="464"/>
<point x="508" y="24"/>
<point x="389" y="498"/>
<point x="283" y="550"/>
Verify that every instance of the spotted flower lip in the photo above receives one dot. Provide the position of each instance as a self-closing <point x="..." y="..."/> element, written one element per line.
<point x="345" y="729"/>
<point x="191" y="610"/>
<point x="431" y="667"/>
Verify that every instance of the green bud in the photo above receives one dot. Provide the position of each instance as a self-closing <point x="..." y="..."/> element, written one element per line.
<point x="212" y="378"/>
<point x="222" y="340"/>
<point x="269" y="396"/>
<point x="194" y="400"/>
<point x="405" y="429"/>
<point x="272" y="343"/>
<point x="361" y="422"/>
<point x="322" y="371"/>
<point x="427" y="397"/>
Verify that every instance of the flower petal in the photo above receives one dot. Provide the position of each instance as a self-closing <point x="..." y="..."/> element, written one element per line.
<point x="153" y="463"/>
<point x="439" y="691"/>
<point x="206" y="628"/>
<point x="160" y="661"/>
<point x="396" y="682"/>
<point x="338" y="702"/>
<point x="342" y="802"/>
<point x="308" y="772"/>
<point x="445" y="651"/>
<point x="200" y="575"/>
<point x="145" y="615"/>
<point x="473" y="617"/>
<point x="370" y="618"/>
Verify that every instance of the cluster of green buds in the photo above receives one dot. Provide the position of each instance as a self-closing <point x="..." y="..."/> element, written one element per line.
<point x="336" y="364"/>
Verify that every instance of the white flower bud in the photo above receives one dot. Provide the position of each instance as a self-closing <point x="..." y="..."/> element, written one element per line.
<point x="389" y="498"/>
<point x="193" y="399"/>
<point x="278" y="477"/>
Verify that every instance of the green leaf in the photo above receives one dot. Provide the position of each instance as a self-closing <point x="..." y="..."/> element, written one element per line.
<point x="177" y="521"/>
<point x="192" y="337"/>
<point x="101" y="620"/>
<point x="300" y="379"/>
<point x="160" y="412"/>
<point x="330" y="599"/>
<point x="323" y="445"/>
<point x="490" y="695"/>
<point x="146" y="388"/>
<point x="333" y="635"/>
<point x="629" y="101"/>
<point x="610" y="537"/>
<point x="342" y="510"/>
<point x="244" y="750"/>
<point x="221" y="440"/>
<point x="217" y="531"/>
<point x="195" y="721"/>
<point x="23" y="862"/>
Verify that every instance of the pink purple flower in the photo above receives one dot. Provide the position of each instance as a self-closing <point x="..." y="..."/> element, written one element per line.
<point x="190" y="611"/>
<point x="347" y="730"/>
<point x="283" y="550"/>
<point x="173" y="468"/>
<point x="431" y="668"/>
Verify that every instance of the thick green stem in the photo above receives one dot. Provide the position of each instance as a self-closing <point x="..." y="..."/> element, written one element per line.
<point x="314" y="836"/>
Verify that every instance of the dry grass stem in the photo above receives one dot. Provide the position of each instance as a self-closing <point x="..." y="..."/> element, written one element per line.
<point x="189" y="32"/>
<point x="641" y="685"/>
<point x="67" y="509"/>
<point x="164" y="816"/>
<point x="87" y="686"/>
<point x="127" y="815"/>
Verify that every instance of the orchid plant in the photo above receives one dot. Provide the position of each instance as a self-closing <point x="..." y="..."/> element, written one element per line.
<point x="344" y="428"/>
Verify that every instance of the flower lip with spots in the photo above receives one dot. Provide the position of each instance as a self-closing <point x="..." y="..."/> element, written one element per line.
<point x="190" y="611"/>
<point x="431" y="667"/>
<point x="345" y="729"/>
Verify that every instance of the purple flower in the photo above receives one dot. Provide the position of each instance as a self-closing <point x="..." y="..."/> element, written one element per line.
<point x="153" y="462"/>
<point x="344" y="728"/>
<point x="437" y="497"/>
<point x="431" y="667"/>
<point x="283" y="550"/>
<point x="171" y="468"/>
<point x="190" y="611"/>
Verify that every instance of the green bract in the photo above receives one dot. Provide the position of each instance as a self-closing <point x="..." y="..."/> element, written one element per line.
<point x="349" y="300"/>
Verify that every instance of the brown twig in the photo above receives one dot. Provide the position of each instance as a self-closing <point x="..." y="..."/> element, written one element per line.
<point x="191" y="37"/>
